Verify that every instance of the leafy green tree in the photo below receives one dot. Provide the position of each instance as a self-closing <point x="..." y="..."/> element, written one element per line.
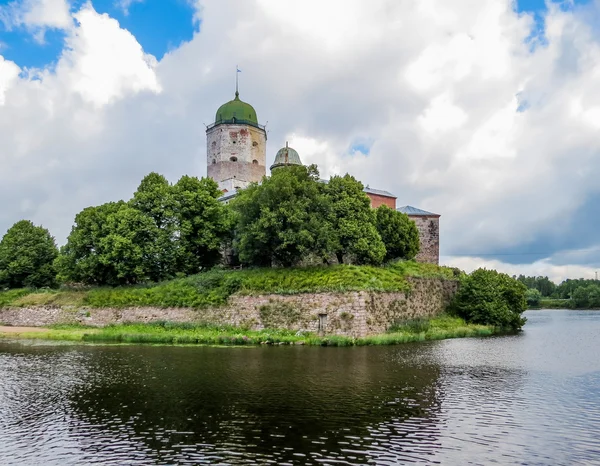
<point x="586" y="297"/>
<point x="543" y="284"/>
<point x="491" y="298"/>
<point x="82" y="258"/>
<point x="27" y="254"/>
<point x="533" y="297"/>
<point x="281" y="220"/>
<point x="352" y="221"/>
<point x="201" y="221"/>
<point x="154" y="198"/>
<point x="398" y="233"/>
<point x="114" y="244"/>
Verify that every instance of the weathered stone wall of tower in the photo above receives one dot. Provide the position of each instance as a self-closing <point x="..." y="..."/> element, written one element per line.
<point x="429" y="237"/>
<point x="236" y="155"/>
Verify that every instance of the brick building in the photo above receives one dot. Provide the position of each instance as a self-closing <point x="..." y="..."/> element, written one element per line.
<point x="236" y="147"/>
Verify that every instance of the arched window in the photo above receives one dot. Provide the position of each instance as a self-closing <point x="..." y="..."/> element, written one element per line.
<point x="233" y="159"/>
<point x="255" y="162"/>
<point x="214" y="161"/>
<point x="255" y="143"/>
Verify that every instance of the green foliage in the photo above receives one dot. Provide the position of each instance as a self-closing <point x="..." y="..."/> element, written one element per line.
<point x="162" y="231"/>
<point x="352" y="221"/>
<point x="213" y="288"/>
<point x="533" y="297"/>
<point x="586" y="297"/>
<point x="398" y="233"/>
<point x="27" y="255"/>
<point x="202" y="223"/>
<point x="169" y="333"/>
<point x="542" y="284"/>
<point x="281" y="220"/>
<point x="490" y="298"/>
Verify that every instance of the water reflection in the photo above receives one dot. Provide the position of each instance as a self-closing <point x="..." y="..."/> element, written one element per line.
<point x="451" y="402"/>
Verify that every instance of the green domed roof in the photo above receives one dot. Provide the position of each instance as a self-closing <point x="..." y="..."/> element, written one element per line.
<point x="286" y="156"/>
<point x="237" y="109"/>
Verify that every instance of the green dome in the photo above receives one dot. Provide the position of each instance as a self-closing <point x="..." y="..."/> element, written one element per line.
<point x="286" y="156"/>
<point x="237" y="109"/>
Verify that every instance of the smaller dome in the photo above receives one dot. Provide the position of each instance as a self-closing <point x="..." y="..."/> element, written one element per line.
<point x="286" y="156"/>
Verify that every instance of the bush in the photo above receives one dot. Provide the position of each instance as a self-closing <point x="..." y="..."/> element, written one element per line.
<point x="533" y="297"/>
<point x="488" y="297"/>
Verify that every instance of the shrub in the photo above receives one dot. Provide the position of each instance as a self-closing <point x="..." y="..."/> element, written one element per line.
<point x="491" y="298"/>
<point x="533" y="297"/>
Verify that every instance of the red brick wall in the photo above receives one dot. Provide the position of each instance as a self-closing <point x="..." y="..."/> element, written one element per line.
<point x="377" y="200"/>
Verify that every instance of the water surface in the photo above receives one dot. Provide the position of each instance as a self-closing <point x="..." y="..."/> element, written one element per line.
<point x="533" y="398"/>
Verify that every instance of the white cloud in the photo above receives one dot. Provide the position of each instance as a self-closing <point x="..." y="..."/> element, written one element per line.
<point x="103" y="62"/>
<point x="126" y="4"/>
<point x="436" y="89"/>
<point x="36" y="15"/>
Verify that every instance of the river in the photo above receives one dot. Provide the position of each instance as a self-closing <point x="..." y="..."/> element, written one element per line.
<point x="532" y="398"/>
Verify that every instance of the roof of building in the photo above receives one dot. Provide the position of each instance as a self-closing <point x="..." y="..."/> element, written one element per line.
<point x="236" y="110"/>
<point x="286" y="156"/>
<point x="227" y="196"/>
<point x="231" y="194"/>
<point x="413" y="211"/>
<point x="378" y="192"/>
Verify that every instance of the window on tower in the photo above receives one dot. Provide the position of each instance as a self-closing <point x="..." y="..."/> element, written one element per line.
<point x="255" y="162"/>
<point x="233" y="159"/>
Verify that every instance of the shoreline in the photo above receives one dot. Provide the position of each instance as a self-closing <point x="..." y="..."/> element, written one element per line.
<point x="170" y="333"/>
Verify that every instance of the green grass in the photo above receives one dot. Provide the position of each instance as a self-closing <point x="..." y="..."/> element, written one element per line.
<point x="169" y="333"/>
<point x="213" y="288"/>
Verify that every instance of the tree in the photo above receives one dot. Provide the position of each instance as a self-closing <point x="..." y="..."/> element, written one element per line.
<point x="114" y="244"/>
<point x="398" y="233"/>
<point x="352" y="221"/>
<point x="27" y="254"/>
<point x="202" y="223"/>
<point x="488" y="297"/>
<point x="586" y="297"/>
<point x="154" y="198"/>
<point x="82" y="258"/>
<point x="533" y="297"/>
<point x="282" y="219"/>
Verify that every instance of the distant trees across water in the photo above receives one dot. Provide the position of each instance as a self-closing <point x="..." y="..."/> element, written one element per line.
<point x="577" y="293"/>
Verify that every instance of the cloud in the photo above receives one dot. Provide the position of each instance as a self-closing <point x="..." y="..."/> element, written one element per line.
<point x="124" y="5"/>
<point x="36" y="16"/>
<point x="463" y="114"/>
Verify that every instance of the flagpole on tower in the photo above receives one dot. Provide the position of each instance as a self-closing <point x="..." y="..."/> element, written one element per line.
<point x="237" y="72"/>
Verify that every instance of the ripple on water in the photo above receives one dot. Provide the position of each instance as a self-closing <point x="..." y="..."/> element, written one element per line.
<point x="528" y="399"/>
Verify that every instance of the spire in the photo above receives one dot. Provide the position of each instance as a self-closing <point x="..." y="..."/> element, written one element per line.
<point x="237" y="92"/>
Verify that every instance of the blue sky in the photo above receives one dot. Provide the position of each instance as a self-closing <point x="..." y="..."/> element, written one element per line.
<point x="158" y="25"/>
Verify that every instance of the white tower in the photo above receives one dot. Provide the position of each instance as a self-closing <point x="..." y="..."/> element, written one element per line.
<point x="236" y="146"/>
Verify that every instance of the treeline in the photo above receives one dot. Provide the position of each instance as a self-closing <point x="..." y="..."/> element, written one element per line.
<point x="174" y="230"/>
<point x="577" y="293"/>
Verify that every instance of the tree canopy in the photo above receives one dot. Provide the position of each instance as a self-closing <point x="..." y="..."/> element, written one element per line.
<point x="162" y="231"/>
<point x="491" y="298"/>
<point x="27" y="254"/>
<point x="399" y="234"/>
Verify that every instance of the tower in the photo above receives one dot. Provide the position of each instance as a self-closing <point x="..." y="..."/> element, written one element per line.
<point x="285" y="157"/>
<point x="236" y="146"/>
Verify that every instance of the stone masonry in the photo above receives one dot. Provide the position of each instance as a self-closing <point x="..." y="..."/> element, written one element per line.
<point x="354" y="314"/>
<point x="429" y="237"/>
<point x="236" y="155"/>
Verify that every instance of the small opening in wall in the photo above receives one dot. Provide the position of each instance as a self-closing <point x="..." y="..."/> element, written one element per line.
<point x="322" y="322"/>
<point x="214" y="161"/>
<point x="255" y="162"/>
<point x="233" y="159"/>
<point x="234" y="142"/>
<point x="255" y="143"/>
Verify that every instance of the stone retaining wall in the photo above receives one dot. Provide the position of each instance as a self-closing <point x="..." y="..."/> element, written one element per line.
<point x="354" y="313"/>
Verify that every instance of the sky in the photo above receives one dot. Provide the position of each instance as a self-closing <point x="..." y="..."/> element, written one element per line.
<point x="484" y="111"/>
